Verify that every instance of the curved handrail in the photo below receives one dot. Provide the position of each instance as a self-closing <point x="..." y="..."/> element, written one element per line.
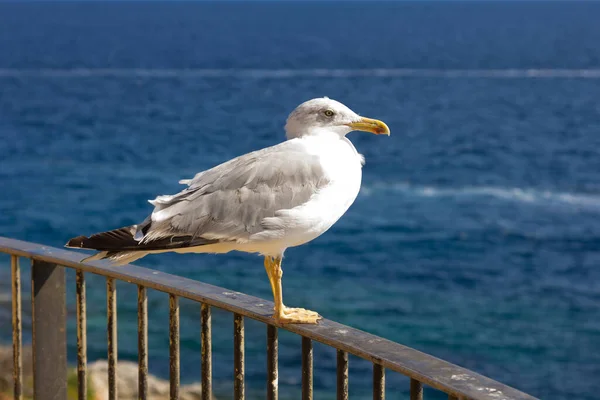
<point x="439" y="374"/>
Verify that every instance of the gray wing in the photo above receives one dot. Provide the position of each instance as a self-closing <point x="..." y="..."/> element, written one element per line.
<point x="230" y="201"/>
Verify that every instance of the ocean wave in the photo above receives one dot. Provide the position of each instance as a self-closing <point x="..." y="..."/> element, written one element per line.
<point x="522" y="195"/>
<point x="506" y="73"/>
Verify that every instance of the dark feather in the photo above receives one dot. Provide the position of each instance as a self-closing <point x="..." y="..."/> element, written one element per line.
<point x="122" y="240"/>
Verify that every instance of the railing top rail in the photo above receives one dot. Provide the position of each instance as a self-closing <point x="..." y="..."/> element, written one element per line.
<point x="439" y="374"/>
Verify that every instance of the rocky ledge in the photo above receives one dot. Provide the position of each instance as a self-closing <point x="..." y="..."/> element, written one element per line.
<point x="127" y="380"/>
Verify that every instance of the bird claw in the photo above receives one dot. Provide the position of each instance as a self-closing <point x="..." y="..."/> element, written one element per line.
<point x="297" y="316"/>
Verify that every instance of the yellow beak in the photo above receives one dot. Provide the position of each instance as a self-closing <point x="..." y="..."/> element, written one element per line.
<point x="370" y="125"/>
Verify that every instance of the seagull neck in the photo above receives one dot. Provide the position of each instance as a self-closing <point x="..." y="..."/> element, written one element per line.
<point x="337" y="132"/>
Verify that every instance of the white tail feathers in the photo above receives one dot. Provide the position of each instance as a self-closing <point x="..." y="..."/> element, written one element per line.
<point x="117" y="258"/>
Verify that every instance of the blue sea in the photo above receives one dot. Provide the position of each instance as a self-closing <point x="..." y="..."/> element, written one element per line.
<point x="475" y="237"/>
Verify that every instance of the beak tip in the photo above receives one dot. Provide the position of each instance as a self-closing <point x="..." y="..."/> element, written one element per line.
<point x="381" y="128"/>
<point x="384" y="130"/>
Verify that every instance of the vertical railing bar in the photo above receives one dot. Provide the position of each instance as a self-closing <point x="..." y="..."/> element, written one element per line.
<point x="33" y="325"/>
<point x="206" y="339"/>
<point x="49" y="326"/>
<point x="238" y="357"/>
<point x="111" y="327"/>
<point x="342" y="375"/>
<point x="142" y="343"/>
<point x="272" y="369"/>
<point x="174" y="347"/>
<point x="81" y="336"/>
<point x="378" y="382"/>
<point x="307" y="369"/>
<point x="416" y="390"/>
<point x="16" y="328"/>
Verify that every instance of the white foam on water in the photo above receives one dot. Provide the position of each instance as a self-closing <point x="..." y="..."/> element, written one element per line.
<point x="521" y="195"/>
<point x="507" y="73"/>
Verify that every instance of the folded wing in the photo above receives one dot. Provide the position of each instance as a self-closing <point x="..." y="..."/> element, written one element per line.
<point x="227" y="203"/>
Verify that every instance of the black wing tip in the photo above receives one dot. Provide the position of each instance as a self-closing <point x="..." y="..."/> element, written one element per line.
<point x="122" y="240"/>
<point x="76" y="241"/>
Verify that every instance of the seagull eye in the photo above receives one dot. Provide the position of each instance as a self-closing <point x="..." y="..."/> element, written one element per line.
<point x="328" y="113"/>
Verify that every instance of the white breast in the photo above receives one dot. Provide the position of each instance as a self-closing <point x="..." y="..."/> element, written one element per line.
<point x="342" y="166"/>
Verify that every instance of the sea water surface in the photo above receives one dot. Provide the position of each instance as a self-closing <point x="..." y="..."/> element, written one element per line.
<point x="475" y="237"/>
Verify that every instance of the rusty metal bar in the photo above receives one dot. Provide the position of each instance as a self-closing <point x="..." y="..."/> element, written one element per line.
<point x="205" y="319"/>
<point x="81" y="336"/>
<point x="416" y="390"/>
<point x="174" y="347"/>
<point x="272" y="356"/>
<point x="342" y="375"/>
<point x="15" y="272"/>
<point x="238" y="357"/>
<point x="378" y="382"/>
<point x="451" y="397"/>
<point x="429" y="370"/>
<point x="142" y="343"/>
<point x="49" y="317"/>
<point x="307" y="369"/>
<point x="111" y="328"/>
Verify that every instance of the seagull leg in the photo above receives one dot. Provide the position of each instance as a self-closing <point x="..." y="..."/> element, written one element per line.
<point x="271" y="268"/>
<point x="282" y="313"/>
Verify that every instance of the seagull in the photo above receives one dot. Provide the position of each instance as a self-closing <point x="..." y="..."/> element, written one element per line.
<point x="262" y="202"/>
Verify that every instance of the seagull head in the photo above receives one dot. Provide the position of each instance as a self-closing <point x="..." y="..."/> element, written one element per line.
<point x="325" y="116"/>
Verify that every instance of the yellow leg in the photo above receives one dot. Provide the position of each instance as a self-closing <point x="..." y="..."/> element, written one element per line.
<point x="282" y="313"/>
<point x="268" y="268"/>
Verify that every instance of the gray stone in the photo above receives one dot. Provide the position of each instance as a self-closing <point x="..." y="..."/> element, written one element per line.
<point x="127" y="383"/>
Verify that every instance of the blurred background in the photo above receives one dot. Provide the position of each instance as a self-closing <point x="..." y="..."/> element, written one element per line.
<point x="476" y="235"/>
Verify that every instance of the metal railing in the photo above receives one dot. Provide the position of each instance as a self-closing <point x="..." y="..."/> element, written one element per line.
<point x="48" y="297"/>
